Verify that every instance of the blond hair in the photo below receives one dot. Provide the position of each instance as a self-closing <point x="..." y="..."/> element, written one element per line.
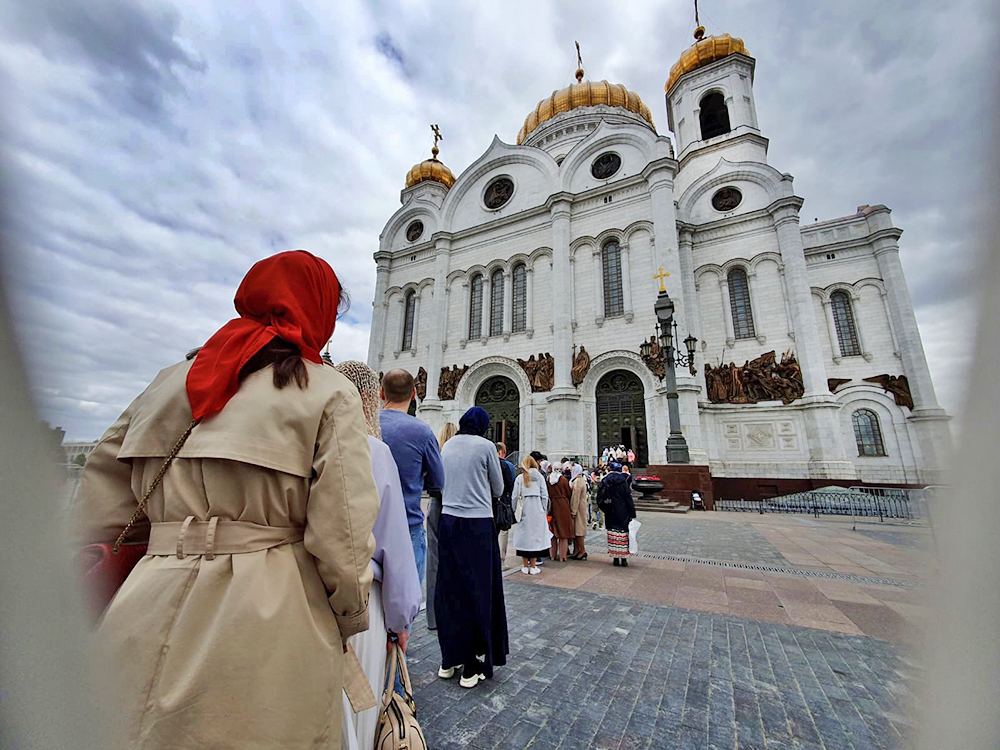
<point x="447" y="432"/>
<point x="528" y="463"/>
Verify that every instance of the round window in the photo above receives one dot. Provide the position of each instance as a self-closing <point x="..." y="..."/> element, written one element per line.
<point x="606" y="165"/>
<point x="726" y="199"/>
<point x="498" y="192"/>
<point x="414" y="231"/>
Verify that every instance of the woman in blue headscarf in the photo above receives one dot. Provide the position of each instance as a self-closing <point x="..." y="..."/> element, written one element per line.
<point x="468" y="600"/>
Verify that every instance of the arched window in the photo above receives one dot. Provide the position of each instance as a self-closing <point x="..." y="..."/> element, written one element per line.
<point x="867" y="433"/>
<point x="496" y="303"/>
<point x="739" y="302"/>
<point x="409" y="311"/>
<point x="714" y="116"/>
<point x="519" y="317"/>
<point x="611" y="263"/>
<point x="476" y="308"/>
<point x="843" y="318"/>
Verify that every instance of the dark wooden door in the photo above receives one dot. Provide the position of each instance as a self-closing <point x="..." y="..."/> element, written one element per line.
<point x="502" y="401"/>
<point x="621" y="414"/>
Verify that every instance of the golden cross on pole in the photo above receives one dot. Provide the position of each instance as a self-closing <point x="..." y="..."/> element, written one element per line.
<point x="437" y="137"/>
<point x="579" y="64"/>
<point x="662" y="275"/>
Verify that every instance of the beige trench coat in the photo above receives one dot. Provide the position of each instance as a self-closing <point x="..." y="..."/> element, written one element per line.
<point x="578" y="506"/>
<point x="240" y="645"/>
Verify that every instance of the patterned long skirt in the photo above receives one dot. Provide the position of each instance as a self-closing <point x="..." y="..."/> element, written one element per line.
<point x="617" y="543"/>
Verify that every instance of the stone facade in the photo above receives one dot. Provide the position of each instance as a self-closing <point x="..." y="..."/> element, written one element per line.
<point x="662" y="209"/>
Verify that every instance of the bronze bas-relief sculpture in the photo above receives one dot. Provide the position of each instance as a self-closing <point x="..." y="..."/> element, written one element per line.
<point x="898" y="386"/>
<point x="655" y="359"/>
<point x="421" y="383"/>
<point x="448" y="383"/>
<point x="581" y="366"/>
<point x="540" y="372"/>
<point x="763" y="379"/>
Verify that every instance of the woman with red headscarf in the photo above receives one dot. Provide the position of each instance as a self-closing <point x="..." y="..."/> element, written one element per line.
<point x="230" y="632"/>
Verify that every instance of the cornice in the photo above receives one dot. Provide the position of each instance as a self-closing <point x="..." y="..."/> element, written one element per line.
<point x="690" y="152"/>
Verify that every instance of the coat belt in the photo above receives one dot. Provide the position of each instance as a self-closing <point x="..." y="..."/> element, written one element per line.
<point x="217" y="537"/>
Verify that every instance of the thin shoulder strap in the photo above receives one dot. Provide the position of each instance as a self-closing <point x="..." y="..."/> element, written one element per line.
<point x="141" y="507"/>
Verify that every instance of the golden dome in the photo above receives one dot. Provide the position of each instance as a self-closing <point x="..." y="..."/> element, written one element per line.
<point x="430" y="169"/>
<point x="703" y="52"/>
<point x="583" y="94"/>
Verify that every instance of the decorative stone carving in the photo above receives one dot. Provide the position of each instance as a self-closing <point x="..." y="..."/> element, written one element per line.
<point x="834" y="383"/>
<point x="449" y="381"/>
<point x="763" y="379"/>
<point x="540" y="372"/>
<point x="581" y="365"/>
<point x="898" y="386"/>
<point x="655" y="359"/>
<point x="421" y="383"/>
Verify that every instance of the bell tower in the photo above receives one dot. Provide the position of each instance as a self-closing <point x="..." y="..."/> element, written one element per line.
<point x="710" y="93"/>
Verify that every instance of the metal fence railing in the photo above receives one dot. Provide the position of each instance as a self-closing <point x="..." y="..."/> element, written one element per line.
<point x="853" y="502"/>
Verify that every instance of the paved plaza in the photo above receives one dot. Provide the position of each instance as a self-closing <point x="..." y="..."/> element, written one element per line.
<point x="726" y="631"/>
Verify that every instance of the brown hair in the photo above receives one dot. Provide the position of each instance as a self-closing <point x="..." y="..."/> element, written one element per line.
<point x="528" y="463"/>
<point x="286" y="359"/>
<point x="398" y="386"/>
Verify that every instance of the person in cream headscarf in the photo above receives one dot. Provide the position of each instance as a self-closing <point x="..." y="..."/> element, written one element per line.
<point x="395" y="594"/>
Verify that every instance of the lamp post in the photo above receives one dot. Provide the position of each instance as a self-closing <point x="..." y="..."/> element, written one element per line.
<point x="666" y="329"/>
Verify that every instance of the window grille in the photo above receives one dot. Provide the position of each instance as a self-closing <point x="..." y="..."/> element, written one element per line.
<point x="519" y="317"/>
<point x="409" y="312"/>
<point x="611" y="258"/>
<point x="867" y="433"/>
<point x="843" y="319"/>
<point x="496" y="303"/>
<point x="739" y="301"/>
<point x="476" y="308"/>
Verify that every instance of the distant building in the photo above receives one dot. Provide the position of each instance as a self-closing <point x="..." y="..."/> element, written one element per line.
<point x="72" y="451"/>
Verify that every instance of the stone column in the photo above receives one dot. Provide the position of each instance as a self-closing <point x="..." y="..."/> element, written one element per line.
<point x="376" y="340"/>
<point x="466" y="307"/>
<point x="690" y="415"/>
<point x="627" y="281"/>
<point x="487" y="317"/>
<point x="831" y="326"/>
<point x="436" y="331"/>
<point x="808" y="349"/>
<point x="661" y="193"/>
<point x="758" y="320"/>
<point x="508" y="302"/>
<point x="561" y="317"/>
<point x="415" y="339"/>
<point x="401" y="317"/>
<point x="927" y="416"/>
<point x="564" y="428"/>
<point x="727" y="310"/>
<point x="529" y="302"/>
<point x="599" y="286"/>
<point x="821" y="411"/>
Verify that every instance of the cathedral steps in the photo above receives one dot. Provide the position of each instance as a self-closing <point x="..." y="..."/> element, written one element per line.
<point x="659" y="505"/>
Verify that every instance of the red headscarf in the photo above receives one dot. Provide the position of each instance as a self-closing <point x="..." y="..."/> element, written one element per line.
<point x="292" y="296"/>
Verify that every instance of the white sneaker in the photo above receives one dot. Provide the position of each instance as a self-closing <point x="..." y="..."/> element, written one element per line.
<point x="447" y="674"/>
<point x="471" y="682"/>
<point x="539" y="563"/>
<point x="533" y="571"/>
<point x="525" y="569"/>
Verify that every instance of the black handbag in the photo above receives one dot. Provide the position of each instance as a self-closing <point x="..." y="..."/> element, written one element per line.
<point x="504" y="514"/>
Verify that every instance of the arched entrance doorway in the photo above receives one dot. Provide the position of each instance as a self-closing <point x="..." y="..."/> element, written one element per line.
<point x="501" y="399"/>
<point x="621" y="414"/>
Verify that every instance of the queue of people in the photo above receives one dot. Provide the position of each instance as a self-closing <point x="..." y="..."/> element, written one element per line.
<point x="286" y="542"/>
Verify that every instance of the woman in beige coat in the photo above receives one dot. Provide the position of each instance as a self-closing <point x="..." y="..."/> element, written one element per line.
<point x="230" y="632"/>
<point x="578" y="509"/>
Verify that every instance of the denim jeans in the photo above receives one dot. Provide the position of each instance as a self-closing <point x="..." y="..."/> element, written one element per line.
<point x="418" y="537"/>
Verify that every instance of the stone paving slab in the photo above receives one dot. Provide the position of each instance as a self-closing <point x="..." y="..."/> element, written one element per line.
<point x="594" y="671"/>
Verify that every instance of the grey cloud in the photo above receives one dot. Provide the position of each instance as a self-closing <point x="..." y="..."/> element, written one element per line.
<point x="158" y="149"/>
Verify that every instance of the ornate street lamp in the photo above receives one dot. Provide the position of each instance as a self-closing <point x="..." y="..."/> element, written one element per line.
<point x="666" y="329"/>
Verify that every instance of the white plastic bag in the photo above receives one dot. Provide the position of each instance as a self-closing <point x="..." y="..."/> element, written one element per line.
<point x="633" y="530"/>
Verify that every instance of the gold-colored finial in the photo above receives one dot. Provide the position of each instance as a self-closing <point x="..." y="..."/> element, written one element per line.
<point x="437" y="137"/>
<point x="699" y="31"/>
<point x="579" y="64"/>
<point x="662" y="275"/>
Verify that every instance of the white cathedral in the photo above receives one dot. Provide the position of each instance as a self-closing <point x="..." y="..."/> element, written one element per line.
<point x="551" y="246"/>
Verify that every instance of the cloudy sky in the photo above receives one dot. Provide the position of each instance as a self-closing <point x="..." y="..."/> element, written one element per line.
<point x="155" y="149"/>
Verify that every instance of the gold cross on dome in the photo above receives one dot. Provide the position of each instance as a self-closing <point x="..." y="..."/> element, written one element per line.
<point x="662" y="275"/>
<point x="437" y="137"/>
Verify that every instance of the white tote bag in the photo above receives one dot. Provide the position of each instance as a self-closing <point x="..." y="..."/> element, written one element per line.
<point x="633" y="530"/>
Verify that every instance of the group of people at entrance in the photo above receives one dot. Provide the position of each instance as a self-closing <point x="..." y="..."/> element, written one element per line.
<point x="617" y="454"/>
